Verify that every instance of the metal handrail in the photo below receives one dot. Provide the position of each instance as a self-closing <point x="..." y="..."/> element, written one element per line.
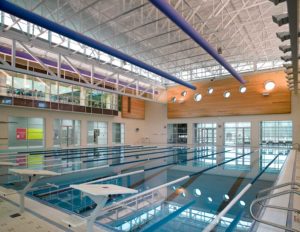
<point x="278" y="186"/>
<point x="258" y="201"/>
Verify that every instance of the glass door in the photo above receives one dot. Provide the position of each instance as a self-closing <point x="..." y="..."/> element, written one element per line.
<point x="243" y="136"/>
<point x="207" y="136"/>
<point x="66" y="135"/>
<point x="96" y="136"/>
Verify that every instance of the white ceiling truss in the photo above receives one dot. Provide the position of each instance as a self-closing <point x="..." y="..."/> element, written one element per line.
<point x="242" y="30"/>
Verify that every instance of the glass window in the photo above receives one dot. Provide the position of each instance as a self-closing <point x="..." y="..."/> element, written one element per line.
<point x="76" y="95"/>
<point x="237" y="133"/>
<point x="277" y="133"/>
<point x="25" y="132"/>
<point x="97" y="133"/>
<point x="177" y="133"/>
<point x="65" y="93"/>
<point x="19" y="85"/>
<point x="118" y="133"/>
<point x="205" y="133"/>
<point x="66" y="132"/>
<point x="54" y="92"/>
<point x="39" y="89"/>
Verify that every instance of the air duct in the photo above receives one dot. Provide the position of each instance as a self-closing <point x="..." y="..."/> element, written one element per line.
<point x="38" y="20"/>
<point x="173" y="15"/>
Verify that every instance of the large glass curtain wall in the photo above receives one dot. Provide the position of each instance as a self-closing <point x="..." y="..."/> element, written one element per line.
<point x="177" y="133"/>
<point x="237" y="133"/>
<point x="25" y="86"/>
<point x="205" y="134"/>
<point x="66" y="132"/>
<point x="97" y="133"/>
<point x="25" y="132"/>
<point x="277" y="133"/>
<point x="237" y="139"/>
<point x="118" y="133"/>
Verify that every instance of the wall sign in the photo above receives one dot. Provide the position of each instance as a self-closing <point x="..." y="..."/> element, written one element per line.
<point x="21" y="133"/>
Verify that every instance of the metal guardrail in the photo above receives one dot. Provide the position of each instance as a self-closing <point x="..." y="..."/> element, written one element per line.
<point x="294" y="189"/>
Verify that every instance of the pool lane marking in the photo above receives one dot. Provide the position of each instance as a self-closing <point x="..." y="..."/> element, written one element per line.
<point x="217" y="219"/>
<point x="45" y="152"/>
<point x="134" y="172"/>
<point x="108" y="158"/>
<point x="172" y="182"/>
<point x="86" y="151"/>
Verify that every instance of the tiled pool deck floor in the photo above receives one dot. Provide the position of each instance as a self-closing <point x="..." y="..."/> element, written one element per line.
<point x="24" y="222"/>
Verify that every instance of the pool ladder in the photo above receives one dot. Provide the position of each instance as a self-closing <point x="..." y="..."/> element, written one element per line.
<point x="294" y="188"/>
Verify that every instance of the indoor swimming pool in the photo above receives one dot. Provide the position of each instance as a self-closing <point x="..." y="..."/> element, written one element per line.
<point x="179" y="188"/>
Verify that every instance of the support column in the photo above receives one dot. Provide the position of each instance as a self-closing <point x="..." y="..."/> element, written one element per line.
<point x="101" y="201"/>
<point x="83" y="133"/>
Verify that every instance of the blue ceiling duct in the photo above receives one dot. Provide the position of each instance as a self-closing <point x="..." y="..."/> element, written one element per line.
<point x="172" y="14"/>
<point x="36" y="19"/>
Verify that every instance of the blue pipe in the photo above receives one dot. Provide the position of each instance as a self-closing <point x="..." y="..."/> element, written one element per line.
<point x="172" y="14"/>
<point x="36" y="19"/>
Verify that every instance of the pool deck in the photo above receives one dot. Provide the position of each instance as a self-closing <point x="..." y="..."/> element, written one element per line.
<point x="37" y="217"/>
<point x="281" y="216"/>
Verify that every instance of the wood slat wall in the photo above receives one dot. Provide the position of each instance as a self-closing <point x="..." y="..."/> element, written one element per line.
<point x="137" y="108"/>
<point x="250" y="103"/>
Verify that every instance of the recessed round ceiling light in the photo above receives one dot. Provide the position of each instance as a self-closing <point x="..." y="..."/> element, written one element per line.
<point x="210" y="90"/>
<point x="269" y="85"/>
<point x="209" y="199"/>
<point x="227" y="94"/>
<point x="197" y="97"/>
<point x="243" y="89"/>
<point x="173" y="99"/>
<point x="183" y="93"/>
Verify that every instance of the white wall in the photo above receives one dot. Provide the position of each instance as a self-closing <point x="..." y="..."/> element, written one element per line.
<point x="156" y="118"/>
<point x="153" y="127"/>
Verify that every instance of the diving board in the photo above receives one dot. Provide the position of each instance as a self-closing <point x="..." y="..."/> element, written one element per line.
<point x="33" y="177"/>
<point x="99" y="194"/>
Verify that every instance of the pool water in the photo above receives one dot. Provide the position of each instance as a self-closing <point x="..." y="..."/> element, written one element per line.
<point x="217" y="175"/>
